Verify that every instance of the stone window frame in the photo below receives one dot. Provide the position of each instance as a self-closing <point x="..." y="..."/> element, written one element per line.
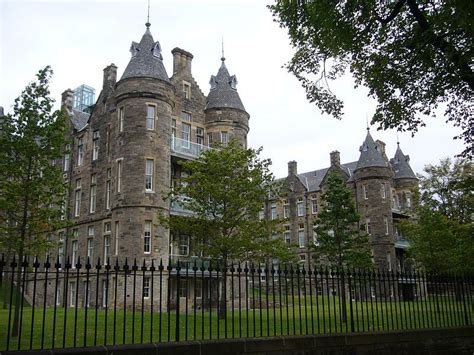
<point x="383" y="190"/>
<point x="200" y="136"/>
<point x="224" y="137"/>
<point x="385" y="222"/>
<point x="300" y="207"/>
<point x="368" y="226"/>
<point x="210" y="139"/>
<point x="146" y="287"/>
<point x="147" y="119"/>
<point x="80" y="150"/>
<point x="147" y="233"/>
<point x="273" y="211"/>
<point x="119" y="163"/>
<point x="95" y="145"/>
<point x="365" y="192"/>
<point x="186" y="89"/>
<point x="74" y="249"/>
<point x="314" y="204"/>
<point x="67" y="158"/>
<point x="93" y="194"/>
<point x="120" y="118"/>
<point x="108" y="190"/>
<point x="148" y="174"/>
<point x="78" y="198"/>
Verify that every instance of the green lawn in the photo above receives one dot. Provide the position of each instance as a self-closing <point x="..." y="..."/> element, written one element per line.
<point x="321" y="315"/>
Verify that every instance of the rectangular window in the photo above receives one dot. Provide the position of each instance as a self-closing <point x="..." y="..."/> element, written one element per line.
<point x="107" y="228"/>
<point x="106" y="247"/>
<point x="185" y="116"/>
<point x="149" y="166"/>
<point x="385" y="222"/>
<point x="119" y="175"/>
<point x="183" y="288"/>
<point x="286" y="211"/>
<point x="209" y="139"/>
<point x="93" y="195"/>
<point x="198" y="288"/>
<point x="301" y="238"/>
<point x="58" y="293"/>
<point x="365" y="192"/>
<point x="389" y="261"/>
<point x="146" y="287"/>
<point x="183" y="245"/>
<point x="200" y="135"/>
<point x="186" y="134"/>
<point x="72" y="294"/>
<point x="261" y="215"/>
<point x="314" y="205"/>
<point x="300" y="207"/>
<point x="105" y="293"/>
<point x="147" y="238"/>
<point x="107" y="140"/>
<point x="80" y="151"/>
<point x="408" y="199"/>
<point x="90" y="250"/>
<point x="87" y="294"/>
<point x="150" y="117"/>
<point x="186" y="90"/>
<point x="368" y="228"/>
<point x="224" y="137"/>
<point x="67" y="158"/>
<point x="173" y="128"/>
<point x="116" y="237"/>
<point x="274" y="214"/>
<point x="120" y="119"/>
<point x="95" y="145"/>
<point x="108" y="190"/>
<point x="383" y="192"/>
<point x="77" y="205"/>
<point x="74" y="252"/>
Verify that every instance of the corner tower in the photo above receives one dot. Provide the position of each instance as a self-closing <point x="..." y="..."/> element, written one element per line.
<point x="373" y="178"/>
<point x="225" y="114"/>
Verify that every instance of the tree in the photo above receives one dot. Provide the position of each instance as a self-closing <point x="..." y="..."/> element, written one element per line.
<point x="340" y="241"/>
<point x="411" y="55"/>
<point x="224" y="192"/>
<point x="442" y="236"/>
<point x="32" y="188"/>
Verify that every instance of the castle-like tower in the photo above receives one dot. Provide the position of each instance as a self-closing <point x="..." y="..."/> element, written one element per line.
<point x="124" y="156"/>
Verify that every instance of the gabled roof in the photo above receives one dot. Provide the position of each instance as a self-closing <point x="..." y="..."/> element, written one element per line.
<point x="146" y="61"/>
<point x="401" y="166"/>
<point x="223" y="93"/>
<point x="370" y="155"/>
<point x="79" y="119"/>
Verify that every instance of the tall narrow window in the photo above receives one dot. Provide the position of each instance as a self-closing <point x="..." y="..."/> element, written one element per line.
<point x="314" y="205"/>
<point x="90" y="243"/>
<point x="67" y="158"/>
<point x="186" y="90"/>
<point x="80" y="151"/>
<point x="149" y="175"/>
<point x="108" y="189"/>
<point x="286" y="209"/>
<point x="146" y="287"/>
<point x="106" y="247"/>
<point x="107" y="140"/>
<point x="365" y="192"/>
<point x="287" y="235"/>
<point x="72" y="294"/>
<point x="116" y="231"/>
<point x="147" y="238"/>
<point x="200" y="136"/>
<point x="300" y="207"/>
<point x="74" y="253"/>
<point x="105" y="293"/>
<point x="185" y="116"/>
<point x="368" y="227"/>
<point x="385" y="222"/>
<point x="119" y="175"/>
<point x="273" y="213"/>
<point x="120" y="119"/>
<point x="95" y="145"/>
<point x="301" y="238"/>
<point x="209" y="139"/>
<point x="408" y="199"/>
<point x="224" y="137"/>
<point x="77" y="204"/>
<point x="186" y="134"/>
<point x="383" y="191"/>
<point x="150" y="117"/>
<point x="93" y="196"/>
<point x="183" y="245"/>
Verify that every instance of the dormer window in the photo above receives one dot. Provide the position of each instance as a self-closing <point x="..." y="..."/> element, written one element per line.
<point x="134" y="49"/>
<point x="186" y="90"/>
<point x="233" y="82"/>
<point x="213" y="82"/>
<point x="157" y="50"/>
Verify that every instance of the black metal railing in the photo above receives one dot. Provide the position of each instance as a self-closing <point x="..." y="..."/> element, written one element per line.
<point x="57" y="304"/>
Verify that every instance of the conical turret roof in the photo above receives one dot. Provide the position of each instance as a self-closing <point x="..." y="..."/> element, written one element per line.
<point x="370" y="155"/>
<point x="223" y="93"/>
<point x="401" y="166"/>
<point x="146" y="61"/>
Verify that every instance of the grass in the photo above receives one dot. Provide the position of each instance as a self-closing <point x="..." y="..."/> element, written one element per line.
<point x="302" y="316"/>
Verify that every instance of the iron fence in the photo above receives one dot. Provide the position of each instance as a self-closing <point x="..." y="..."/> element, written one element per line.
<point x="64" y="304"/>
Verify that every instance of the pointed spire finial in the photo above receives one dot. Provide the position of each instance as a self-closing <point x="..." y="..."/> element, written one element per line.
<point x="367" y="119"/>
<point x="398" y="140"/>
<point x="223" y="58"/>
<point x="148" y="24"/>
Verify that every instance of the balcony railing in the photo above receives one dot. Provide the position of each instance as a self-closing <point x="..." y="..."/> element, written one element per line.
<point x="186" y="147"/>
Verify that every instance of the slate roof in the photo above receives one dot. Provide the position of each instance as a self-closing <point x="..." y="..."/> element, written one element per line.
<point x="370" y="155"/>
<point x="401" y="167"/>
<point x="146" y="60"/>
<point x="79" y="119"/>
<point x="312" y="179"/>
<point x="223" y="93"/>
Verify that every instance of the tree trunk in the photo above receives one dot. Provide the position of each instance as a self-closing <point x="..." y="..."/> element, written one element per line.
<point x="16" y="317"/>
<point x="342" y="297"/>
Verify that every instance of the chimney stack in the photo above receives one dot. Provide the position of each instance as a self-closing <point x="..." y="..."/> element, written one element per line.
<point x="181" y="61"/>
<point x="292" y="168"/>
<point x="110" y="76"/>
<point x="335" y="157"/>
<point x="381" y="148"/>
<point x="67" y="100"/>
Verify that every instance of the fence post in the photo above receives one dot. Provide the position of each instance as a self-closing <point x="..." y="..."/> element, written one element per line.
<point x="178" y="268"/>
<point x="349" y="277"/>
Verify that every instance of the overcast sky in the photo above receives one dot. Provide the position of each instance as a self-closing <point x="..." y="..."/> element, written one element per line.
<point x="80" y="38"/>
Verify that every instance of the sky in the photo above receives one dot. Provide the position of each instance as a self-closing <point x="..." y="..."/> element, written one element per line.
<point x="78" y="39"/>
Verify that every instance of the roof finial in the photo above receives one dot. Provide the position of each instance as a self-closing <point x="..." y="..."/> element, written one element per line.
<point x="398" y="141"/>
<point x="222" y="58"/>
<point x="367" y="119"/>
<point x="148" y="24"/>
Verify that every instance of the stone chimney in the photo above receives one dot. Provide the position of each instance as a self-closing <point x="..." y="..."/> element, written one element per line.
<point x="335" y="157"/>
<point x="67" y="100"/>
<point x="381" y="148"/>
<point x="181" y="61"/>
<point x="110" y="76"/>
<point x="292" y="168"/>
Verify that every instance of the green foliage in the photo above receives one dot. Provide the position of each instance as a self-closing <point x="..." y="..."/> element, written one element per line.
<point x="442" y="237"/>
<point x="341" y="243"/>
<point x="225" y="191"/>
<point x="412" y="55"/>
<point x="32" y="189"/>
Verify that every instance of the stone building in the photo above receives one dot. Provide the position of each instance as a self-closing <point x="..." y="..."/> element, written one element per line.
<point x="124" y="153"/>
<point x="382" y="191"/>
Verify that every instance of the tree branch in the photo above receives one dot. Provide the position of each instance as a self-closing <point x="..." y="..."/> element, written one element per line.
<point x="396" y="10"/>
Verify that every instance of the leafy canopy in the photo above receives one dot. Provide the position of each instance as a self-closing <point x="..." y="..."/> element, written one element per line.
<point x="32" y="189"/>
<point x="411" y="55"/>
<point x="442" y="237"/>
<point x="340" y="242"/>
<point x="224" y="193"/>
